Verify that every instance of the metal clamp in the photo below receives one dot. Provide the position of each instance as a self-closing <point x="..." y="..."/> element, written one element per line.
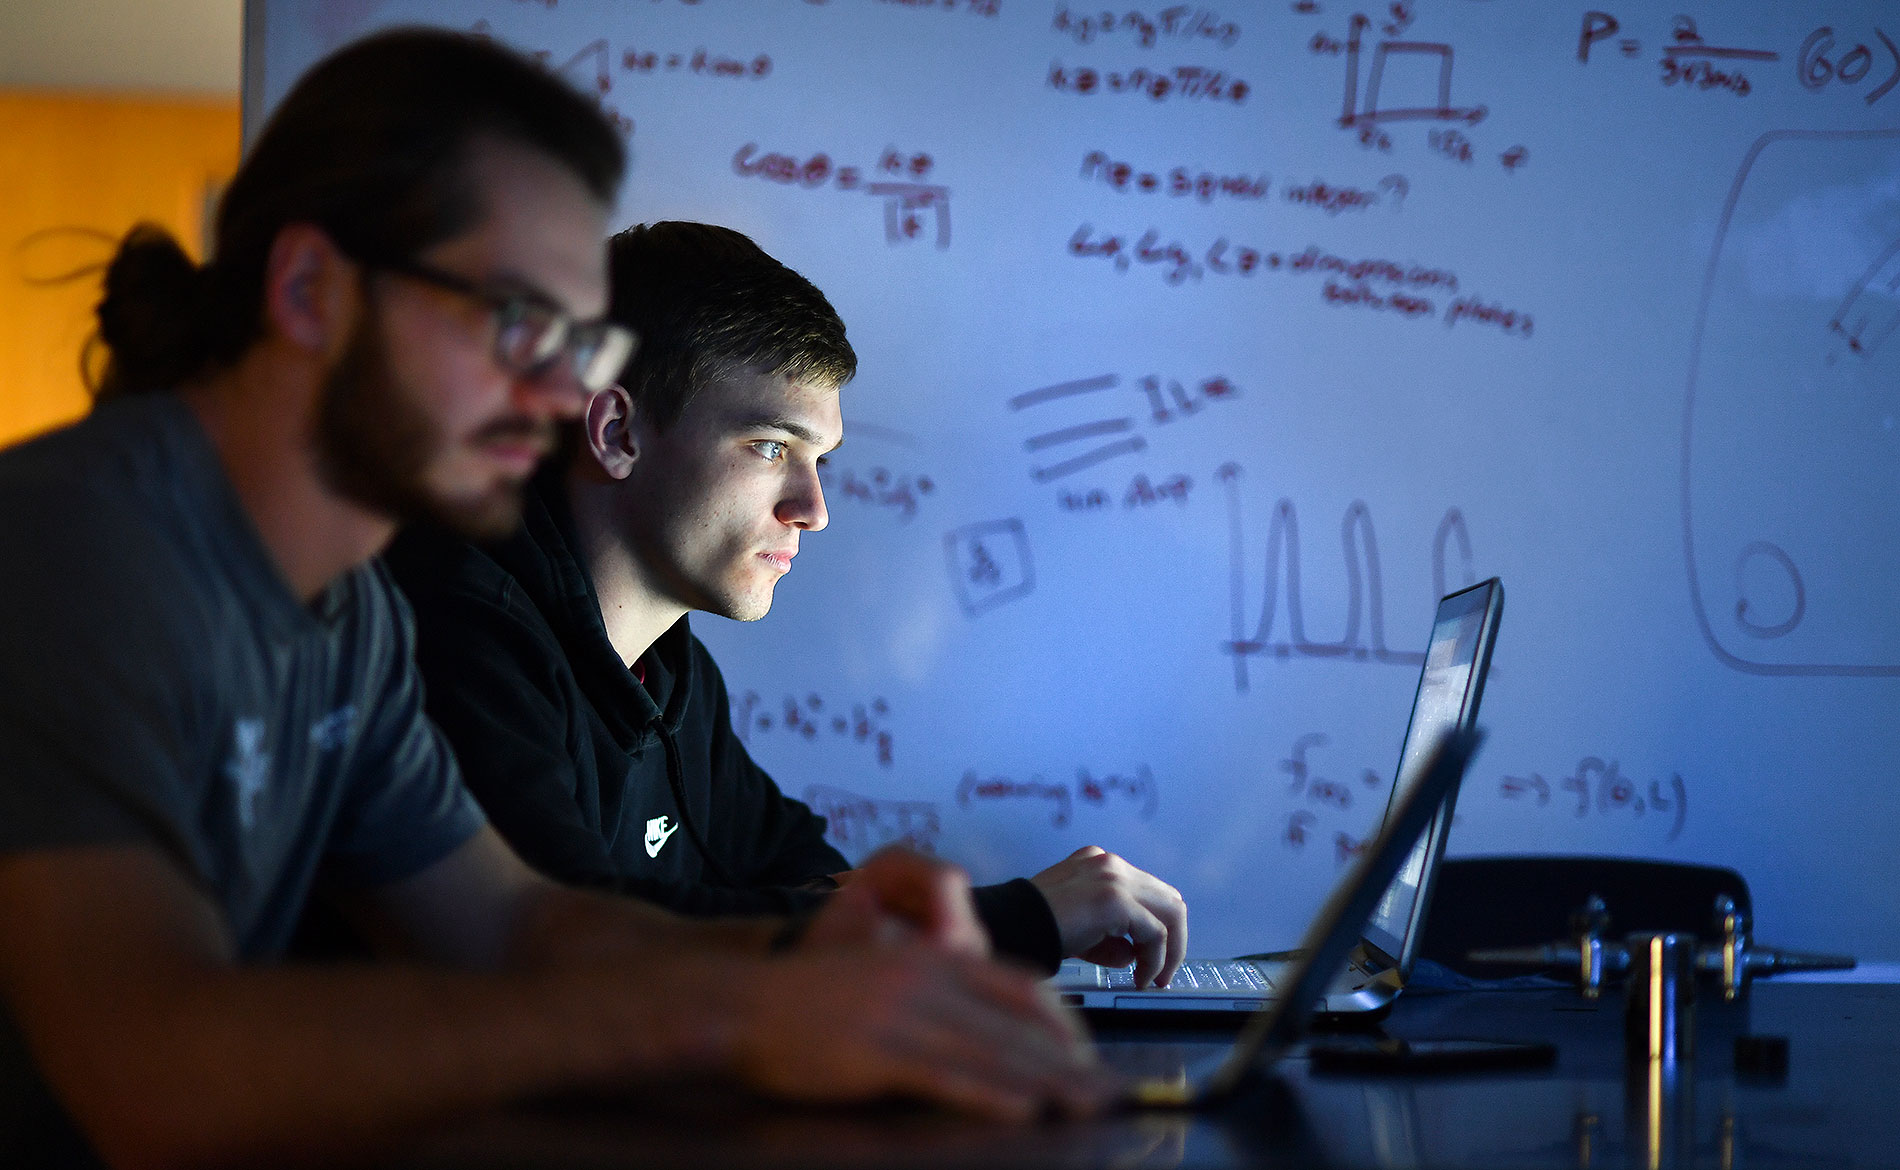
<point x="1733" y="961"/>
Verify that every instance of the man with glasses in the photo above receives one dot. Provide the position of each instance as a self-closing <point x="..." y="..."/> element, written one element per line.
<point x="532" y="331"/>
<point x="211" y="712"/>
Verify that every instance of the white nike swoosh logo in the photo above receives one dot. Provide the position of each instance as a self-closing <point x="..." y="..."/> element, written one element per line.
<point x="655" y="844"/>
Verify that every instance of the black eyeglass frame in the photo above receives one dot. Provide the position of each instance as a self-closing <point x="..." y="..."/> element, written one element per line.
<point x="598" y="350"/>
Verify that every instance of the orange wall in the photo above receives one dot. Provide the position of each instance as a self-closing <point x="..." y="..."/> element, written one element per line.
<point x="99" y="164"/>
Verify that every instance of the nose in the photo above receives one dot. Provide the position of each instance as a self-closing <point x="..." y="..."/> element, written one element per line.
<point x="803" y="505"/>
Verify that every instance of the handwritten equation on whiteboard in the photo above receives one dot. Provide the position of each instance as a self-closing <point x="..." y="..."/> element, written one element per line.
<point x="1183" y="82"/>
<point x="697" y="62"/>
<point x="1185" y="182"/>
<point x="876" y="487"/>
<point x="590" y="68"/>
<point x="1142" y="493"/>
<point x="1072" y="447"/>
<point x="1595" y="787"/>
<point x="972" y="7"/>
<point x="1322" y="796"/>
<point x="1176" y="22"/>
<point x="912" y="207"/>
<point x="858" y="825"/>
<point x="1133" y="791"/>
<point x="1403" y="288"/>
<point x="1864" y="62"/>
<point x="1598" y="786"/>
<point x="1177" y="25"/>
<point x="812" y="717"/>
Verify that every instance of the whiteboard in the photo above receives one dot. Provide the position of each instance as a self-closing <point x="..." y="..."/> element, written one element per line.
<point x="1202" y="347"/>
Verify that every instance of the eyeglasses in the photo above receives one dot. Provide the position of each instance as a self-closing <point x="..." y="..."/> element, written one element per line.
<point x="532" y="335"/>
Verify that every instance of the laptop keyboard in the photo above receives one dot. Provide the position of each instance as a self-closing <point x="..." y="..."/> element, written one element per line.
<point x="1201" y="976"/>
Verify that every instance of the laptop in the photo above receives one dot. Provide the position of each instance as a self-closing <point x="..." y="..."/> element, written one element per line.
<point x="1373" y="974"/>
<point x="1335" y="934"/>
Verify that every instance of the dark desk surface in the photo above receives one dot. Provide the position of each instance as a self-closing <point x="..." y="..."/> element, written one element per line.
<point x="1838" y="1105"/>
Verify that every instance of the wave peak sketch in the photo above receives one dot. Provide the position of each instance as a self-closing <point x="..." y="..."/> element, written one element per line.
<point x="1283" y="590"/>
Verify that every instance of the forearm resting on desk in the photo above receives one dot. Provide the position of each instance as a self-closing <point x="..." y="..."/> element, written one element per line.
<point x="166" y="1052"/>
<point x="121" y="978"/>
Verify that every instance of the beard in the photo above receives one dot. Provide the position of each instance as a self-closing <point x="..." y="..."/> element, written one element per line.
<point x="376" y="443"/>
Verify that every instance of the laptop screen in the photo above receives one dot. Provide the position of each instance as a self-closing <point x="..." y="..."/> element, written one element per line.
<point x="1448" y="691"/>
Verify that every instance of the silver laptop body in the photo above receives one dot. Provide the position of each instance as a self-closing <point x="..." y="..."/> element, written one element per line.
<point x="1450" y="685"/>
<point x="1275" y="1028"/>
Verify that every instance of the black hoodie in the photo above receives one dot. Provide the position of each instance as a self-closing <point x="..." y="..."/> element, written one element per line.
<point x="576" y="762"/>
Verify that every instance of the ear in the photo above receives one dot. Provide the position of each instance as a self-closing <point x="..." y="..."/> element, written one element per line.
<point x="311" y="290"/>
<point x="609" y="426"/>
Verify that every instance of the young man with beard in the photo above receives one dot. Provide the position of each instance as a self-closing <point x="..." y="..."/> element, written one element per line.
<point x="591" y="723"/>
<point x="211" y="709"/>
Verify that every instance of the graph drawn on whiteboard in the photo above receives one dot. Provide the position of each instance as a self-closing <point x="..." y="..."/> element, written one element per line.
<point x="1364" y="638"/>
<point x="1405" y="81"/>
<point x="1791" y="419"/>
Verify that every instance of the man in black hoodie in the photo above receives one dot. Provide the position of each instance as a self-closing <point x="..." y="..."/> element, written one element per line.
<point x="590" y="722"/>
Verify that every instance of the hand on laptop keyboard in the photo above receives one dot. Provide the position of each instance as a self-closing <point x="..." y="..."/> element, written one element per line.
<point x="1230" y="975"/>
<point x="1110" y="912"/>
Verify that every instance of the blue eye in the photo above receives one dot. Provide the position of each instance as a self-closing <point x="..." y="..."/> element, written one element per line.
<point x="770" y="450"/>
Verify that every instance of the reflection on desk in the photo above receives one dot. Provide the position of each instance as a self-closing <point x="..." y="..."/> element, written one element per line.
<point x="1834" y="1107"/>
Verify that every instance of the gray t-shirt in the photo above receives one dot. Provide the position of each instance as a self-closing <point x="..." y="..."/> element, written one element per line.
<point x="160" y="684"/>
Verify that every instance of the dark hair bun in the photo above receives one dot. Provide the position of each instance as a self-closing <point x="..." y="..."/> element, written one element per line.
<point x="148" y="317"/>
